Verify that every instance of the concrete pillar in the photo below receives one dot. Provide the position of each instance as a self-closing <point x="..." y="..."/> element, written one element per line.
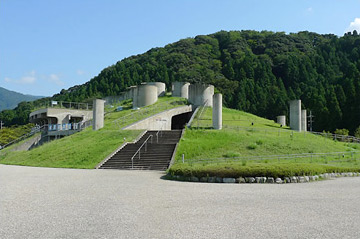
<point x="217" y="111"/>
<point x="303" y="121"/>
<point x="146" y="95"/>
<point x="180" y="89"/>
<point x="281" y="119"/>
<point x="134" y="90"/>
<point x="199" y="93"/>
<point x="161" y="87"/>
<point x="98" y="114"/>
<point x="295" y="115"/>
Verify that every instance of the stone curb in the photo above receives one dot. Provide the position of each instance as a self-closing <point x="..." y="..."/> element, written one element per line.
<point x="268" y="180"/>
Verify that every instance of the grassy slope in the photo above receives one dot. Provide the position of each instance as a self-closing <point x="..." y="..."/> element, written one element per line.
<point x="240" y="140"/>
<point x="87" y="148"/>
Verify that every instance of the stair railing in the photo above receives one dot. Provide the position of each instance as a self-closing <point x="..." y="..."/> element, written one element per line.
<point x="139" y="150"/>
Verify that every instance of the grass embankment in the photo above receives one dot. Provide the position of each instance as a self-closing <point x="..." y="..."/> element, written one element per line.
<point x="118" y="120"/>
<point x="252" y="146"/>
<point x="88" y="148"/>
<point x="82" y="150"/>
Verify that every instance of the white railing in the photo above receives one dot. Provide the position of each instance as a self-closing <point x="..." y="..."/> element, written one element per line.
<point x="139" y="150"/>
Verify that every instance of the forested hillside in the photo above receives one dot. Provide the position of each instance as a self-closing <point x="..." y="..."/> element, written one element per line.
<point x="10" y="99"/>
<point x="257" y="72"/>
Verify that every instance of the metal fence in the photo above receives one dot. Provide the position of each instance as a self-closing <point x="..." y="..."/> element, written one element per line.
<point x="66" y="105"/>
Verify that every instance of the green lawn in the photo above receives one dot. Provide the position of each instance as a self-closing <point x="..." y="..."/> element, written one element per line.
<point x="82" y="150"/>
<point x="248" y="143"/>
<point x="88" y="148"/>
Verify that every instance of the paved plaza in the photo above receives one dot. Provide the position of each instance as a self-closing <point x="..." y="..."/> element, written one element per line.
<point x="71" y="203"/>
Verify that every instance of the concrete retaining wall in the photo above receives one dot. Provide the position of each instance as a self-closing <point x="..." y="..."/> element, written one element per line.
<point x="160" y="121"/>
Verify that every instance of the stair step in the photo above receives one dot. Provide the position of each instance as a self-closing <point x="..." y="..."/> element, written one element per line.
<point x="156" y="157"/>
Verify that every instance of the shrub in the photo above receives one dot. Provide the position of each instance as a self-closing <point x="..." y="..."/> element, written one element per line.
<point x="251" y="146"/>
<point x="342" y="131"/>
<point x="357" y="132"/>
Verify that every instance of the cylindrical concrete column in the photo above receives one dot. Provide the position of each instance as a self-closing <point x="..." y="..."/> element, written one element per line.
<point x="303" y="121"/>
<point x="161" y="87"/>
<point x="98" y="114"/>
<point x="200" y="93"/>
<point x="146" y="95"/>
<point x="281" y="119"/>
<point x="295" y="115"/>
<point x="217" y="111"/>
<point x="180" y="89"/>
<point x="134" y="90"/>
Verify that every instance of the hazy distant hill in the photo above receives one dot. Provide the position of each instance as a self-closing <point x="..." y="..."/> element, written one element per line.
<point x="10" y="99"/>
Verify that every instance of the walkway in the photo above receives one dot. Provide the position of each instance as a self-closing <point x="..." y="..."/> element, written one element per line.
<point x="67" y="203"/>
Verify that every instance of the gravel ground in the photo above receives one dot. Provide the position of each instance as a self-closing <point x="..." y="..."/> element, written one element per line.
<point x="71" y="203"/>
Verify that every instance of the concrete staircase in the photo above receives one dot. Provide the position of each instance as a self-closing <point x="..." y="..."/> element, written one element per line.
<point x="156" y="157"/>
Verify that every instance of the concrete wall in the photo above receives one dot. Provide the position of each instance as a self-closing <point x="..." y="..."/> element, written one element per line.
<point x="161" y="121"/>
<point x="145" y="95"/>
<point x="128" y="94"/>
<point x="295" y="115"/>
<point x="98" y="114"/>
<point x="161" y="87"/>
<point x="303" y="120"/>
<point x="180" y="89"/>
<point x="199" y="93"/>
<point x="217" y="111"/>
<point x="281" y="119"/>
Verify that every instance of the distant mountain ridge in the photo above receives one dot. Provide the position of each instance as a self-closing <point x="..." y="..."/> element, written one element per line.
<point x="10" y="99"/>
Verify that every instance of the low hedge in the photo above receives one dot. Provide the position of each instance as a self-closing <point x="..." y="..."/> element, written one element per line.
<point x="261" y="170"/>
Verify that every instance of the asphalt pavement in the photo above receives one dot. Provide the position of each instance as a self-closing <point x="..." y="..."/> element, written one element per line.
<point x="72" y="203"/>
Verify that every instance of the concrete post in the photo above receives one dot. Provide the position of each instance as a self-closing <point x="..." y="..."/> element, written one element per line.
<point x="146" y="95"/>
<point x="281" y="119"/>
<point x="217" y="111"/>
<point x="135" y="91"/>
<point x="199" y="93"/>
<point x="295" y="115"/>
<point x="180" y="89"/>
<point x="303" y="121"/>
<point x="98" y="114"/>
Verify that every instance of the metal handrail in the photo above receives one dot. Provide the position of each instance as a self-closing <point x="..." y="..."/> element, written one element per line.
<point x="138" y="151"/>
<point x="201" y="112"/>
<point x="33" y="131"/>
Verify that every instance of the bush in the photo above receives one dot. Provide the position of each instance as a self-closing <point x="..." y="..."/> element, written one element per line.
<point x="357" y="132"/>
<point x="342" y="131"/>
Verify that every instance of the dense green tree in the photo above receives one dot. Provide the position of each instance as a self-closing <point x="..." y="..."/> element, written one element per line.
<point x="258" y="72"/>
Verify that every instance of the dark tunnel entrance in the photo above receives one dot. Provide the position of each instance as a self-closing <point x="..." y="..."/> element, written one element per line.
<point x="179" y="121"/>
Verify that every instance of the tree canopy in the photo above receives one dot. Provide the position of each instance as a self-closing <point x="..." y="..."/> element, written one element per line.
<point x="257" y="72"/>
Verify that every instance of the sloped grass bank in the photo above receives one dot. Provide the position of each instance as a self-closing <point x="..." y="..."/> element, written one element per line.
<point x="82" y="150"/>
<point x="237" y="150"/>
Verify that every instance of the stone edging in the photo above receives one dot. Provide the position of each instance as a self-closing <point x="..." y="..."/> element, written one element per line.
<point x="294" y="179"/>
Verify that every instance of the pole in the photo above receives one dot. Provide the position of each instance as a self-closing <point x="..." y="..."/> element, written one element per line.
<point x="1" y="124"/>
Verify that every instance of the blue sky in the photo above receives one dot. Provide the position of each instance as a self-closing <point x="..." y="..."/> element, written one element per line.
<point x="49" y="45"/>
